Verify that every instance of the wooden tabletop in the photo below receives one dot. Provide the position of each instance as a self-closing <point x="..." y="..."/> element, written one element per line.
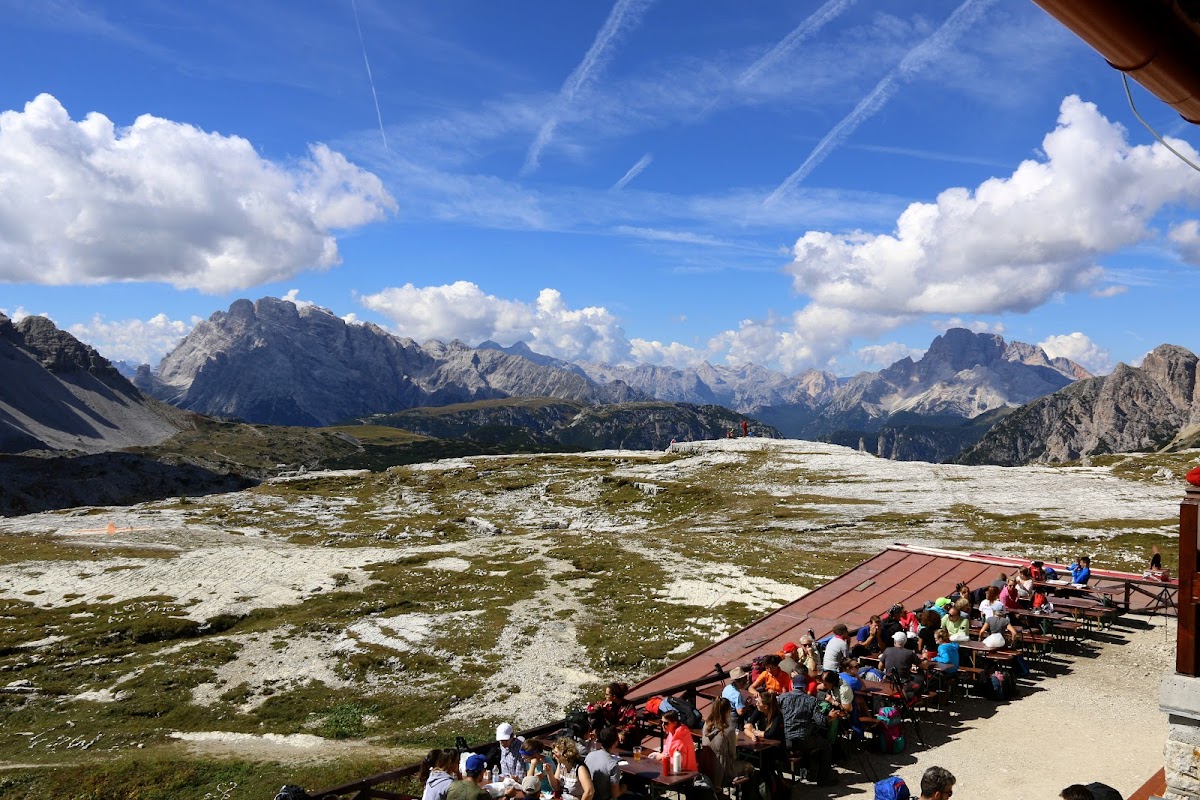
<point x="649" y="769"/>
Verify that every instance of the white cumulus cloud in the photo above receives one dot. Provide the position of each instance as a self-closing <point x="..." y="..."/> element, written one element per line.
<point x="1186" y="238"/>
<point x="138" y="341"/>
<point x="1081" y="349"/>
<point x="1009" y="245"/>
<point x="462" y="310"/>
<point x="884" y="355"/>
<point x="86" y="202"/>
<point x="19" y="313"/>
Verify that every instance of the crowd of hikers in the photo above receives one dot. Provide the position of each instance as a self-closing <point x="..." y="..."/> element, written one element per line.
<point x="789" y="711"/>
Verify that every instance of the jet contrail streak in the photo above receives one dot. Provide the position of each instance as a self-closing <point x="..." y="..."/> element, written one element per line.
<point x="927" y="51"/>
<point x="625" y="13"/>
<point x="815" y="21"/>
<point x="370" y="79"/>
<point x="633" y="172"/>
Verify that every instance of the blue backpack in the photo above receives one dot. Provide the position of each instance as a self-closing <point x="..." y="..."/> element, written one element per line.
<point x="893" y="788"/>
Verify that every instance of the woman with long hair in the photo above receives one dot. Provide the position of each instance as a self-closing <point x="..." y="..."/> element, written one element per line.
<point x="437" y="773"/>
<point x="720" y="735"/>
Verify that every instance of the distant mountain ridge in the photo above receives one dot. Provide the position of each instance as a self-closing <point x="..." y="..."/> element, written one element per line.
<point x="1152" y="407"/>
<point x="546" y="423"/>
<point x="57" y="393"/>
<point x="276" y="363"/>
<point x="273" y="362"/>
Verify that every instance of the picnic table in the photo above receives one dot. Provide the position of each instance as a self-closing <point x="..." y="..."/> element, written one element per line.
<point x="649" y="772"/>
<point x="1001" y="655"/>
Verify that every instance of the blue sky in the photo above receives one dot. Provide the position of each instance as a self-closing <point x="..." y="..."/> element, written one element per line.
<point x="812" y="184"/>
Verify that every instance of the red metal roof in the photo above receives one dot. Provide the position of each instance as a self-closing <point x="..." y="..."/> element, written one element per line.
<point x="900" y="574"/>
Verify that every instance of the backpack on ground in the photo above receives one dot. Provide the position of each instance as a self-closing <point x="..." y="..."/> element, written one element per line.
<point x="999" y="685"/>
<point x="891" y="734"/>
<point x="689" y="715"/>
<point x="893" y="788"/>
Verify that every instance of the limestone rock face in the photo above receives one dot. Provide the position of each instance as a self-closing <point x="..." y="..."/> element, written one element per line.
<point x="56" y="393"/>
<point x="1132" y="409"/>
<point x="273" y="362"/>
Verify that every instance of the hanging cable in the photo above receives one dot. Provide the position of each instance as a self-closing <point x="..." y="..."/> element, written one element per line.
<point x="1179" y="155"/>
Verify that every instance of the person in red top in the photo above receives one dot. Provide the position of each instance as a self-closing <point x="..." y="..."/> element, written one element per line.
<point x="772" y="678"/>
<point x="745" y="428"/>
<point x="678" y="740"/>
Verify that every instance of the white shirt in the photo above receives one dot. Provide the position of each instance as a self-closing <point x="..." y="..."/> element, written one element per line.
<point x="988" y="607"/>
<point x="835" y="651"/>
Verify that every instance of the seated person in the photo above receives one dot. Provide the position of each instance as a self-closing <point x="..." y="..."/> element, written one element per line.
<point x="720" y="734"/>
<point x="837" y="648"/>
<point x="808" y="655"/>
<point x="908" y="620"/>
<point x="1010" y="595"/>
<point x="573" y="779"/>
<point x="990" y="603"/>
<point x="947" y="652"/>
<point x="789" y="657"/>
<point x="956" y="624"/>
<point x="604" y="765"/>
<point x="1038" y="570"/>
<point x="930" y="622"/>
<point x="806" y="728"/>
<point x="994" y="628"/>
<point x="1000" y="582"/>
<point x="616" y="712"/>
<point x="737" y="691"/>
<point x="540" y="764"/>
<point x="837" y="693"/>
<point x="772" y="678"/>
<point x="1025" y="586"/>
<point x="870" y="638"/>
<point x="1081" y="571"/>
<point x="803" y="680"/>
<point x="899" y="657"/>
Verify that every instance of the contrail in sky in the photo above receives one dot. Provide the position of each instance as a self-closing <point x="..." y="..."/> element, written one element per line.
<point x="633" y="172"/>
<point x="624" y="14"/>
<point x="815" y="21"/>
<point x="370" y="80"/>
<point x="916" y="59"/>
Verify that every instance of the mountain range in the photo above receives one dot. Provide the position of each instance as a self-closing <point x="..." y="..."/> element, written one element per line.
<point x="971" y="396"/>
<point x="1152" y="407"/>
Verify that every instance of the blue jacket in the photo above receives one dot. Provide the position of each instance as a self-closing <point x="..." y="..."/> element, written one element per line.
<point x="947" y="654"/>
<point x="1080" y="574"/>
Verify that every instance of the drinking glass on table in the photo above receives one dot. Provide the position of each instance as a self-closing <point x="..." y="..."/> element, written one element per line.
<point x="637" y="753"/>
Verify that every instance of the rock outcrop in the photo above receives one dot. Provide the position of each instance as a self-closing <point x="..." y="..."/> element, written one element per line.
<point x="57" y="393"/>
<point x="275" y="363"/>
<point x="1151" y="407"/>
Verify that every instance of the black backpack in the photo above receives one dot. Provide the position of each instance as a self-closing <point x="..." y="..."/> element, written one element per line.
<point x="689" y="715"/>
<point x="290" y="792"/>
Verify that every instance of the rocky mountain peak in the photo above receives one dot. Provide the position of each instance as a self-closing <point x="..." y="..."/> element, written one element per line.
<point x="958" y="349"/>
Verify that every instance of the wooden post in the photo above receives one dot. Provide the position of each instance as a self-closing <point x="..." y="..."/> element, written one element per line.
<point x="1187" y="649"/>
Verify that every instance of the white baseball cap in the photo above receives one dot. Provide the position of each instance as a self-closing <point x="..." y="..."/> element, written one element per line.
<point x="504" y="731"/>
<point x="900" y="638"/>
